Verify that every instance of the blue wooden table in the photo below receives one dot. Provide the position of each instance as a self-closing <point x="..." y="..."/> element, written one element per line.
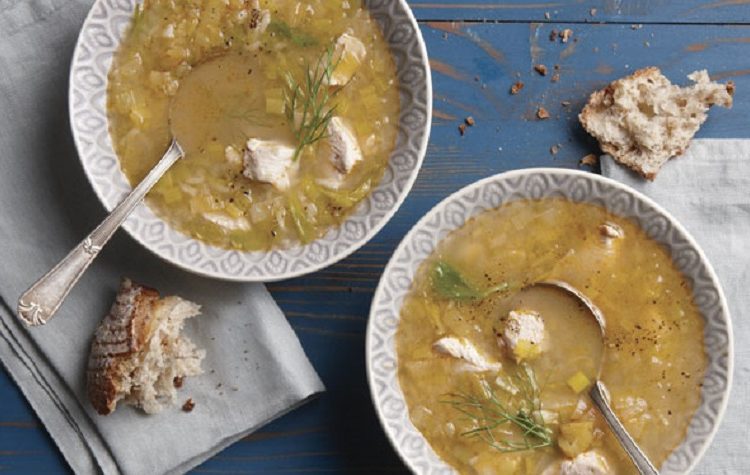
<point x="478" y="49"/>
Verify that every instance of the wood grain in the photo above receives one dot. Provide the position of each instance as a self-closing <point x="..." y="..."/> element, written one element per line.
<point x="474" y="65"/>
<point x="587" y="11"/>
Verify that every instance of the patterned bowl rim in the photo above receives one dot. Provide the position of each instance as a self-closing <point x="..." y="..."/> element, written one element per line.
<point x="309" y="266"/>
<point x="478" y="185"/>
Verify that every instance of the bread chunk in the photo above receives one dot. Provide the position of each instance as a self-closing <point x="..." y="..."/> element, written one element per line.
<point x="643" y="120"/>
<point x="138" y="353"/>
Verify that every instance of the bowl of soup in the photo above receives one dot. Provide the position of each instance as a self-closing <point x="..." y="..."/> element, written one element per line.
<point x="304" y="125"/>
<point x="474" y="369"/>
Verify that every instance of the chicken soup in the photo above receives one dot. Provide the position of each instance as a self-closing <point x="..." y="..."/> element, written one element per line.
<point x="496" y="371"/>
<point x="287" y="111"/>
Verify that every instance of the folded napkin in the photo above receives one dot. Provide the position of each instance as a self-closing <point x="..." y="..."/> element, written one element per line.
<point x="255" y="367"/>
<point x="708" y="191"/>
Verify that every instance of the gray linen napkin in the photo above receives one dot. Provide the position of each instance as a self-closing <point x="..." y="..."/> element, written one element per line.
<point x="256" y="369"/>
<point x="708" y="191"/>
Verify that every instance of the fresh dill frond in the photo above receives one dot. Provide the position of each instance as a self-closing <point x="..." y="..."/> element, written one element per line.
<point x="492" y="417"/>
<point x="449" y="283"/>
<point x="311" y="99"/>
<point x="295" y="35"/>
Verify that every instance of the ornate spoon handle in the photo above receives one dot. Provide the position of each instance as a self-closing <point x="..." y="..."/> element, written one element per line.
<point x="598" y="394"/>
<point x="40" y="302"/>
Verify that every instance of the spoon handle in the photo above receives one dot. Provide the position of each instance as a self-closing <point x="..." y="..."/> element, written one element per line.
<point x="40" y="302"/>
<point x="600" y="397"/>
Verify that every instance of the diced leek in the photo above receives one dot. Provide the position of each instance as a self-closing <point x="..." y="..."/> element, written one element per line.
<point x="526" y="350"/>
<point x="578" y="382"/>
<point x="232" y="210"/>
<point x="575" y="437"/>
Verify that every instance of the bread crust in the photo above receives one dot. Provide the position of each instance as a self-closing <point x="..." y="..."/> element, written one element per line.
<point x="124" y="331"/>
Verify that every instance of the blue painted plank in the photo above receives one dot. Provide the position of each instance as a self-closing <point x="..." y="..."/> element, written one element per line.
<point x="629" y="11"/>
<point x="474" y="67"/>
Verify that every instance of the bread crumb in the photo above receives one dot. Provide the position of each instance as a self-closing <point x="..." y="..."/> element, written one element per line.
<point x="462" y="129"/>
<point x="189" y="405"/>
<point x="592" y="12"/>
<point x="565" y="35"/>
<point x="542" y="113"/>
<point x="636" y="27"/>
<point x="470" y="121"/>
<point x="516" y="88"/>
<point x="546" y="16"/>
<point x="553" y="35"/>
<point x="178" y="381"/>
<point x="555" y="77"/>
<point x="589" y="159"/>
<point x="554" y="149"/>
<point x="541" y="69"/>
<point x="565" y="103"/>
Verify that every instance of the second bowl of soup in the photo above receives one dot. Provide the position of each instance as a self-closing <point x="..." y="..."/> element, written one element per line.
<point x="475" y="369"/>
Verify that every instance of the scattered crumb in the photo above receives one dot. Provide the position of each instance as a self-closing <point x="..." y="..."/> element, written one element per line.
<point x="565" y="35"/>
<point x="555" y="77"/>
<point x="592" y="12"/>
<point x="516" y="88"/>
<point x="541" y="69"/>
<point x="462" y="129"/>
<point x="636" y="27"/>
<point x="565" y="103"/>
<point x="589" y="159"/>
<point x="646" y="44"/>
<point x="542" y="113"/>
<point x="557" y="67"/>
<point x="177" y="381"/>
<point x="546" y="16"/>
<point x="553" y="35"/>
<point x="189" y="405"/>
<point x="476" y="78"/>
<point x="470" y="121"/>
<point x="554" y="149"/>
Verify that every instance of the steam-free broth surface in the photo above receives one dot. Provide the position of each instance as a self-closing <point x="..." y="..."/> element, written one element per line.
<point x="653" y="353"/>
<point x="227" y="72"/>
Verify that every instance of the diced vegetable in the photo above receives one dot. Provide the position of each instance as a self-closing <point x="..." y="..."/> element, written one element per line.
<point x="575" y="437"/>
<point x="578" y="382"/>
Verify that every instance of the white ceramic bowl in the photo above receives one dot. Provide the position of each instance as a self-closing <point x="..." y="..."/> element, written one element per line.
<point x="576" y="186"/>
<point x="99" y="39"/>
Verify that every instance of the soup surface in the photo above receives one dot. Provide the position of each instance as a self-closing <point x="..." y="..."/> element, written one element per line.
<point x="496" y="372"/>
<point x="287" y="111"/>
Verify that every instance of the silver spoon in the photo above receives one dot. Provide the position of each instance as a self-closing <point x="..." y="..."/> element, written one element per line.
<point x="39" y="303"/>
<point x="599" y="394"/>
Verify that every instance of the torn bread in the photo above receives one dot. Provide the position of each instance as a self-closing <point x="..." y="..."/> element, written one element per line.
<point x="643" y="120"/>
<point x="138" y="354"/>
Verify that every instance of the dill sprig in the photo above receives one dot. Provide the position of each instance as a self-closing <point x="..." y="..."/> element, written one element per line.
<point x="521" y="412"/>
<point x="449" y="283"/>
<point x="311" y="100"/>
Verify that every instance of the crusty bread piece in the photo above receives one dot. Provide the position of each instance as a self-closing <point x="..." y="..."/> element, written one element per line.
<point x="643" y="120"/>
<point x="138" y="354"/>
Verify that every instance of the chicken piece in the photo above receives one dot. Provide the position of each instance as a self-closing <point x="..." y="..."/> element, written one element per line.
<point x="348" y="55"/>
<point x="462" y="349"/>
<point x="586" y="463"/>
<point x="524" y="334"/>
<point x="345" y="151"/>
<point x="269" y="162"/>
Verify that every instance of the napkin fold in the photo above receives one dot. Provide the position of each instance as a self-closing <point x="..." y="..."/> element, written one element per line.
<point x="708" y="191"/>
<point x="255" y="369"/>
